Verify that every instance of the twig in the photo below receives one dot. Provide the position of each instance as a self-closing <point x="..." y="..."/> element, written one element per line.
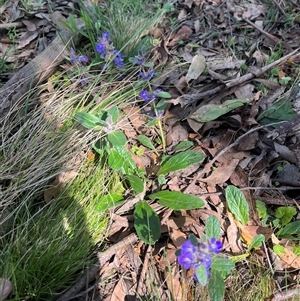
<point x="139" y="290"/>
<point x="186" y="98"/>
<point x="235" y="143"/>
<point x="280" y="8"/>
<point x="281" y="296"/>
<point x="260" y="71"/>
<point x="94" y="270"/>
<point x="270" y="264"/>
<point x="271" y="37"/>
<point x="11" y="25"/>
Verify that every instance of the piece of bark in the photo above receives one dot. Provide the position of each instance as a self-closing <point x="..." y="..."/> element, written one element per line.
<point x="36" y="71"/>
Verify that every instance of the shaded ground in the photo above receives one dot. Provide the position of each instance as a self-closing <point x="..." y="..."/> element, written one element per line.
<point x="211" y="52"/>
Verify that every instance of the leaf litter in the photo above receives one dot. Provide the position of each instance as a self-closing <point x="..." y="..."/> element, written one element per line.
<point x="225" y="90"/>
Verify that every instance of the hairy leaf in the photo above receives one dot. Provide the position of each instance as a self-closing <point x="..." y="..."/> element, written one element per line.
<point x="211" y="112"/>
<point x="117" y="138"/>
<point x="237" y="204"/>
<point x="136" y="183"/>
<point x="180" y="161"/>
<point x="146" y="223"/>
<point x="201" y="274"/>
<point x="87" y="120"/>
<point x="216" y="286"/>
<point x="177" y="200"/>
<point x="213" y="227"/>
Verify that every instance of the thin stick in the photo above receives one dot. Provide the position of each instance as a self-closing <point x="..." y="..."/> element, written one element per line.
<point x="187" y="98"/>
<point x="139" y="290"/>
<point x="235" y="143"/>
<point x="271" y="37"/>
<point x="287" y="295"/>
<point x="280" y="8"/>
<point x="6" y="26"/>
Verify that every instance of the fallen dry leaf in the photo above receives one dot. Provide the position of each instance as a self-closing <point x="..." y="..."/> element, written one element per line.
<point x="183" y="32"/>
<point x="288" y="256"/>
<point x="222" y="173"/>
<point x="196" y="68"/>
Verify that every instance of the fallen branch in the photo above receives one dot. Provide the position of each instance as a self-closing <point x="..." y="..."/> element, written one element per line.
<point x="36" y="71"/>
<point x="269" y="36"/>
<point x="7" y="26"/>
<point x="186" y="99"/>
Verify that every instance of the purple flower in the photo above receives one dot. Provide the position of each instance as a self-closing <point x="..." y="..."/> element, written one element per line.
<point x="83" y="59"/>
<point x="146" y="75"/>
<point x="187" y="254"/>
<point x="73" y="56"/>
<point x="74" y="59"/>
<point x="103" y="44"/>
<point x="105" y="36"/>
<point x="84" y="80"/>
<point x="147" y="96"/>
<point x="193" y="256"/>
<point x="215" y="245"/>
<point x="101" y="49"/>
<point x="118" y="59"/>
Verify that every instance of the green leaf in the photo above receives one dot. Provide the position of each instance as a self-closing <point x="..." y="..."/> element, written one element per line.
<point x="285" y="214"/>
<point x="278" y="249"/>
<point x="183" y="145"/>
<point x="211" y="112"/>
<point x="213" y="227"/>
<point x="177" y="200"/>
<point x="151" y="123"/>
<point x="117" y="138"/>
<point x="87" y="120"/>
<point x="144" y="140"/>
<point x="163" y="95"/>
<point x="193" y="239"/>
<point x="129" y="165"/>
<point x="261" y="209"/>
<point x="275" y="72"/>
<point x="161" y="105"/>
<point x="281" y="111"/>
<point x="136" y="183"/>
<point x="237" y="204"/>
<point x="161" y="179"/>
<point x="216" y="286"/>
<point x="115" y="160"/>
<point x="256" y="242"/>
<point x="180" y="161"/>
<point x="285" y="80"/>
<point x="201" y="274"/>
<point x="146" y="223"/>
<point x="109" y="201"/>
<point x="289" y="231"/>
<point x="113" y="112"/>
<point x="222" y="265"/>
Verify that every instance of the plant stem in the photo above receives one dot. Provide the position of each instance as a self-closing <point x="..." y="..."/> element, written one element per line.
<point x="161" y="132"/>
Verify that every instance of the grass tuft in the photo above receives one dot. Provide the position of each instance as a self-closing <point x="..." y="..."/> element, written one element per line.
<point x="44" y="247"/>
